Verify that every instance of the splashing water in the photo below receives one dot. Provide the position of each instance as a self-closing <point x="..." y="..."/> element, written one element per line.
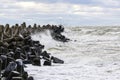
<point x="92" y="54"/>
<point x="45" y="38"/>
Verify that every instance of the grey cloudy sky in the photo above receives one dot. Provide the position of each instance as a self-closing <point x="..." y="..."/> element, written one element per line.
<point x="66" y="12"/>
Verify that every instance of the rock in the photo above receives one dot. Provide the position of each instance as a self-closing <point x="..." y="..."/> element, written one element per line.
<point x="20" y="66"/>
<point x="4" y="61"/>
<point x="17" y="54"/>
<point x="31" y="57"/>
<point x="1" y="33"/>
<point x="10" y="54"/>
<point x="2" y="49"/>
<point x="6" y="33"/>
<point x="36" y="62"/>
<point x="25" y="75"/>
<point x="33" y="51"/>
<point x="11" y="67"/>
<point x="30" y="78"/>
<point x="17" y="78"/>
<point x="17" y="48"/>
<point x="27" y="62"/>
<point x="23" y="25"/>
<point x="14" y="74"/>
<point x="57" y="60"/>
<point x="47" y="63"/>
<point x="8" y="60"/>
<point x="45" y="54"/>
<point x="0" y="67"/>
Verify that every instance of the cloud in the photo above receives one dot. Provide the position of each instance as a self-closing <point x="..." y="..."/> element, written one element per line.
<point x="53" y="8"/>
<point x="45" y="11"/>
<point x="108" y="3"/>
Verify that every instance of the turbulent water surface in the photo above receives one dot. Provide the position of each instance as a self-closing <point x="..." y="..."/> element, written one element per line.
<point x="92" y="54"/>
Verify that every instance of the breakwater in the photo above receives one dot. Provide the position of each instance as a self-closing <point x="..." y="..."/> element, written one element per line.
<point x="17" y="49"/>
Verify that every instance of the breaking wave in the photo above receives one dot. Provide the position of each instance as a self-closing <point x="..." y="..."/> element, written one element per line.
<point x="92" y="54"/>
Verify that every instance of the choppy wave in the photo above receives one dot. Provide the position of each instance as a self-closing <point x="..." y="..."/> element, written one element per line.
<point x="92" y="54"/>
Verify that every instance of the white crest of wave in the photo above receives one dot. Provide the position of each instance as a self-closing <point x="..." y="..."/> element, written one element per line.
<point x="45" y="38"/>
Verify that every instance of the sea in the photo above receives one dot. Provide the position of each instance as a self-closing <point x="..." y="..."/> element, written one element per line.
<point x="93" y="53"/>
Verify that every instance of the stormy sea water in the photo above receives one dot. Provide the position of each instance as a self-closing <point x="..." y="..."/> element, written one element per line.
<point x="92" y="54"/>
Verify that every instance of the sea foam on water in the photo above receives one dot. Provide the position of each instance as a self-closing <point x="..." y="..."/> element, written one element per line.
<point x="92" y="54"/>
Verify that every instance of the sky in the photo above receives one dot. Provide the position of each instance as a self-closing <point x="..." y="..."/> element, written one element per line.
<point x="65" y="12"/>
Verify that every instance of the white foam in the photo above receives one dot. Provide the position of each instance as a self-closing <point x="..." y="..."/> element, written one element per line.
<point x="91" y="57"/>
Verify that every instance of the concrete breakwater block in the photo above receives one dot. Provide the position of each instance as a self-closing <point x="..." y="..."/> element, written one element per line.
<point x="57" y="60"/>
<point x="17" y="49"/>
